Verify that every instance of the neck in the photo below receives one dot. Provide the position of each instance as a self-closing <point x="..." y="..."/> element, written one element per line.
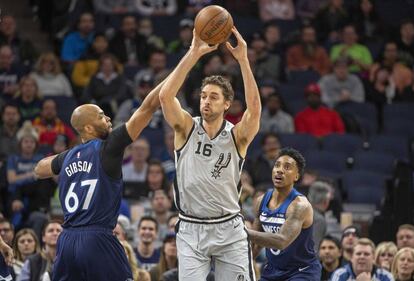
<point x="331" y="266"/>
<point x="50" y="252"/>
<point x="404" y="277"/>
<point x="11" y="129"/>
<point x="139" y="166"/>
<point x="280" y="195"/>
<point x="162" y="217"/>
<point x="146" y="250"/>
<point x="212" y="127"/>
<point x="359" y="272"/>
<point x="347" y="254"/>
<point x="171" y="262"/>
<point x="27" y="155"/>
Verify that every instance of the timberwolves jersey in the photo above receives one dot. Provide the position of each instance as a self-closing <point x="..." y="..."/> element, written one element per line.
<point x="299" y="255"/>
<point x="88" y="196"/>
<point x="4" y="270"/>
<point x="207" y="183"/>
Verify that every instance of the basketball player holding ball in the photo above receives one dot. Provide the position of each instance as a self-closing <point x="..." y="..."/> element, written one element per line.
<point x="209" y="155"/>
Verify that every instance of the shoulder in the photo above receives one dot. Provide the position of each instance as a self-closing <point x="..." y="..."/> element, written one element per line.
<point x="384" y="275"/>
<point x="300" y="207"/>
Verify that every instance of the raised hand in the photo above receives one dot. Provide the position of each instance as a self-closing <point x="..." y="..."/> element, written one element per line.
<point x="240" y="51"/>
<point x="199" y="47"/>
<point x="7" y="253"/>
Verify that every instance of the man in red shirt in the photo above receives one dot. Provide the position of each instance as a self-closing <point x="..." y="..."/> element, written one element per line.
<point x="49" y="126"/>
<point x="317" y="119"/>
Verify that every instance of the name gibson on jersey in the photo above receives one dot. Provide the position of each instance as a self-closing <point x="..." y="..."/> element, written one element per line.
<point x="79" y="166"/>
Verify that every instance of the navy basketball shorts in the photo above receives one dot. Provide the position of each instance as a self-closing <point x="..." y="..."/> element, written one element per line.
<point x="90" y="254"/>
<point x="312" y="272"/>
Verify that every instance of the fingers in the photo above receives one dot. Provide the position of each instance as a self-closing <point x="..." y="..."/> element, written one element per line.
<point x="229" y="46"/>
<point x="237" y="34"/>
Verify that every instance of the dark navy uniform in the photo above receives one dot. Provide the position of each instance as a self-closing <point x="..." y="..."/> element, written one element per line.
<point x="4" y="270"/>
<point x="298" y="261"/>
<point x="90" y="191"/>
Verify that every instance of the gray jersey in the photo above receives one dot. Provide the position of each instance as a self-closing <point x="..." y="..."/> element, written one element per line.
<point x="207" y="183"/>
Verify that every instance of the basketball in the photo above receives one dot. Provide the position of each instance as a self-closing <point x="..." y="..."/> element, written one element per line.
<point x="213" y="24"/>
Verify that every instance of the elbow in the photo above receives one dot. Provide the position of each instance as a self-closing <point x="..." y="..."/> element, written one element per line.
<point x="36" y="171"/>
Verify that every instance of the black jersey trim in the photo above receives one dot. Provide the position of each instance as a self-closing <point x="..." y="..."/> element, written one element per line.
<point x="188" y="138"/>
<point x="235" y="144"/>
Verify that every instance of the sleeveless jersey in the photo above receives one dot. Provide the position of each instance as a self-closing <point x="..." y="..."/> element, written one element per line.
<point x="300" y="253"/>
<point x="207" y="183"/>
<point x="89" y="197"/>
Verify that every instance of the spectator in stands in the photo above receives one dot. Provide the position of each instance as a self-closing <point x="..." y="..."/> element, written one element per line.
<point x="274" y="118"/>
<point x="172" y="221"/>
<point x="341" y="86"/>
<point x="10" y="117"/>
<point x="167" y="155"/>
<point x="185" y="36"/>
<point x="235" y="112"/>
<point x="267" y="66"/>
<point x="136" y="169"/>
<point x="262" y="166"/>
<point x="317" y="119"/>
<point x="350" y="236"/>
<point x="384" y="254"/>
<point x="145" y="84"/>
<point x="362" y="265"/>
<point x="49" y="77"/>
<point x="403" y="265"/>
<point x="122" y="228"/>
<point x="329" y="20"/>
<point x="160" y="211"/>
<point x="130" y="47"/>
<point x="156" y="8"/>
<point x="10" y="74"/>
<point x="23" y="50"/>
<point x="272" y="36"/>
<point x="49" y="125"/>
<point x="192" y="7"/>
<point x="87" y="65"/>
<point x="114" y="7"/>
<point x="308" y="55"/>
<point x="24" y="244"/>
<point x="330" y="255"/>
<point x="276" y="10"/>
<point x="108" y="87"/>
<point x="157" y="67"/>
<point x="28" y="99"/>
<point x="6" y="231"/>
<point x="367" y="22"/>
<point x="137" y="273"/>
<point x="147" y="255"/>
<point x="39" y="266"/>
<point x="307" y="9"/>
<point x="156" y="178"/>
<point x="168" y="258"/>
<point x="358" y="54"/>
<point x="145" y="29"/>
<point x="77" y="42"/>
<point x="381" y="90"/>
<point x="406" y="42"/>
<point x="402" y="76"/>
<point x="319" y="196"/>
<point x="405" y="236"/>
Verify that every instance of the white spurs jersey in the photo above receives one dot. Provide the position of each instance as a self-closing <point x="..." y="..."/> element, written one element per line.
<point x="207" y="183"/>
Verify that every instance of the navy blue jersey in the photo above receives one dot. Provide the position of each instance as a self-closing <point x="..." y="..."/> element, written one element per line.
<point x="4" y="270"/>
<point x="300" y="254"/>
<point x="89" y="197"/>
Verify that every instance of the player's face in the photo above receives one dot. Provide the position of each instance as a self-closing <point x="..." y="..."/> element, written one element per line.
<point x="405" y="264"/>
<point x="212" y="102"/>
<point x="26" y="244"/>
<point x="51" y="234"/>
<point x="147" y="231"/>
<point x="405" y="238"/>
<point x="102" y="125"/>
<point x="329" y="252"/>
<point x="362" y="259"/>
<point x="285" y="172"/>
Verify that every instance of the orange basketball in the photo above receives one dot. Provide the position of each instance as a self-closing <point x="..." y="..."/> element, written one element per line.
<point x="213" y="24"/>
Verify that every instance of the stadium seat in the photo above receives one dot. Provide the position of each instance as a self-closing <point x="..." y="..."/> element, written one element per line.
<point x="364" y="113"/>
<point x="344" y="143"/>
<point x="303" y="77"/>
<point x="399" y="127"/>
<point x="364" y="187"/>
<point x="374" y="161"/>
<point x="329" y="161"/>
<point x="301" y="142"/>
<point x="399" y="111"/>
<point x="394" y="145"/>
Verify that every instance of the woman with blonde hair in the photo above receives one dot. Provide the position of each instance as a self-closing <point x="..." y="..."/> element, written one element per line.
<point x="138" y="273"/>
<point x="49" y="77"/>
<point x="25" y="243"/>
<point x="384" y="254"/>
<point x="403" y="265"/>
<point x="28" y="99"/>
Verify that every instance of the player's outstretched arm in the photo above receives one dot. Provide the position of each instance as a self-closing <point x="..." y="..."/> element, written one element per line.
<point x="295" y="217"/>
<point x="249" y="125"/>
<point x="7" y="252"/>
<point x="176" y="117"/>
<point x="256" y="224"/>
<point x="43" y="168"/>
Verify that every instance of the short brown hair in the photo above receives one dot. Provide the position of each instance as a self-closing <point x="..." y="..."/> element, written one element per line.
<point x="366" y="242"/>
<point x="223" y="83"/>
<point x="406" y="226"/>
